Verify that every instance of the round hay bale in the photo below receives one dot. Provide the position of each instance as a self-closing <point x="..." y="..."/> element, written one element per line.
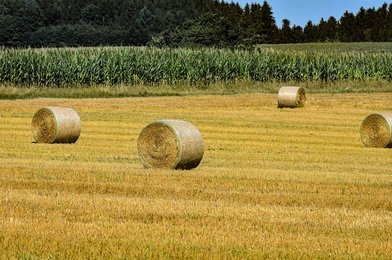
<point x="170" y="144"/>
<point x="291" y="97"/>
<point x="56" y="125"/>
<point x="376" y="130"/>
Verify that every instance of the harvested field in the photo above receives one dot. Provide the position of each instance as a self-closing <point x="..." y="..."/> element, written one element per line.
<point x="295" y="183"/>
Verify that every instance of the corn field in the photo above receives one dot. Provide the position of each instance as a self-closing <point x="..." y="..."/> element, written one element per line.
<point x="131" y="65"/>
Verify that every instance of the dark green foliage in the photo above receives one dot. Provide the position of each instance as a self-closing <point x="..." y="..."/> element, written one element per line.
<point x="211" y="30"/>
<point x="18" y="19"/>
<point x="46" y="23"/>
<point x="39" y="23"/>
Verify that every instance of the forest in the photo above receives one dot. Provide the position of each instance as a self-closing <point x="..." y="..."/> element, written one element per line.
<point x="175" y="23"/>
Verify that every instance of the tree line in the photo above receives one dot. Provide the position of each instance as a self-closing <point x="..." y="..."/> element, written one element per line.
<point x="190" y="23"/>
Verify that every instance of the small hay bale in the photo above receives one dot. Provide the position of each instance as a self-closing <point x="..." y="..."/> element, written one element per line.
<point x="170" y="144"/>
<point x="376" y="130"/>
<point x="56" y="125"/>
<point x="291" y="97"/>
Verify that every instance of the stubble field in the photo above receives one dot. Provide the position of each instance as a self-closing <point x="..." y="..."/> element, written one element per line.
<point x="273" y="182"/>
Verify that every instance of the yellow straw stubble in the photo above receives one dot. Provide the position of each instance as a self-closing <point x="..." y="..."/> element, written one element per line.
<point x="291" y="97"/>
<point x="56" y="125"/>
<point x="170" y="144"/>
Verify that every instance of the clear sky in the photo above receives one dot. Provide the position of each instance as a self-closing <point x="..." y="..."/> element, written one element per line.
<point x="299" y="12"/>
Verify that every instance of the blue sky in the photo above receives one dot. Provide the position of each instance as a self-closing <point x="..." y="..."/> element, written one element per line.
<point x="299" y="12"/>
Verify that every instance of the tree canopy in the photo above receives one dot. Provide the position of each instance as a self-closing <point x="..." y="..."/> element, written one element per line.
<point x="57" y="23"/>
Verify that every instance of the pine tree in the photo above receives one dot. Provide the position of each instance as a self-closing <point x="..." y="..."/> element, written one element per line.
<point x="246" y="23"/>
<point x="309" y="32"/>
<point x="331" y="29"/>
<point x="389" y="23"/>
<point x="347" y="28"/>
<point x="285" y="33"/>
<point x="268" y="28"/>
<point x="380" y="26"/>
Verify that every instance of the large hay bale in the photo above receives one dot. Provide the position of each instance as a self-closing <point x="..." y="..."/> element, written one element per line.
<point x="376" y="130"/>
<point x="56" y="125"/>
<point x="291" y="97"/>
<point x="171" y="144"/>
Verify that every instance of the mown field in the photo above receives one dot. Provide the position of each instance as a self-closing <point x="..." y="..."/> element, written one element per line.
<point x="279" y="183"/>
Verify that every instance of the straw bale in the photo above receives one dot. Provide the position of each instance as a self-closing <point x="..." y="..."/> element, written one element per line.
<point x="291" y="97"/>
<point x="170" y="144"/>
<point x="376" y="130"/>
<point x="56" y="125"/>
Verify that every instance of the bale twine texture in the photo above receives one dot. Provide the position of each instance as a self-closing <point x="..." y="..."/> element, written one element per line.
<point x="376" y="130"/>
<point x="170" y="144"/>
<point x="291" y="97"/>
<point x="56" y="125"/>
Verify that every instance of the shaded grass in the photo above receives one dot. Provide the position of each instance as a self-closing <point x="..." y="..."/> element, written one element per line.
<point x="241" y="87"/>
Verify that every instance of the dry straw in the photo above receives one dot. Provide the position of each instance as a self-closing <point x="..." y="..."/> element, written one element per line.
<point x="56" y="125"/>
<point x="376" y="130"/>
<point x="170" y="144"/>
<point x="291" y="97"/>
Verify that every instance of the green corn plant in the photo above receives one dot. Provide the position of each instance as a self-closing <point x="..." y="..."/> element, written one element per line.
<point x="67" y="67"/>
